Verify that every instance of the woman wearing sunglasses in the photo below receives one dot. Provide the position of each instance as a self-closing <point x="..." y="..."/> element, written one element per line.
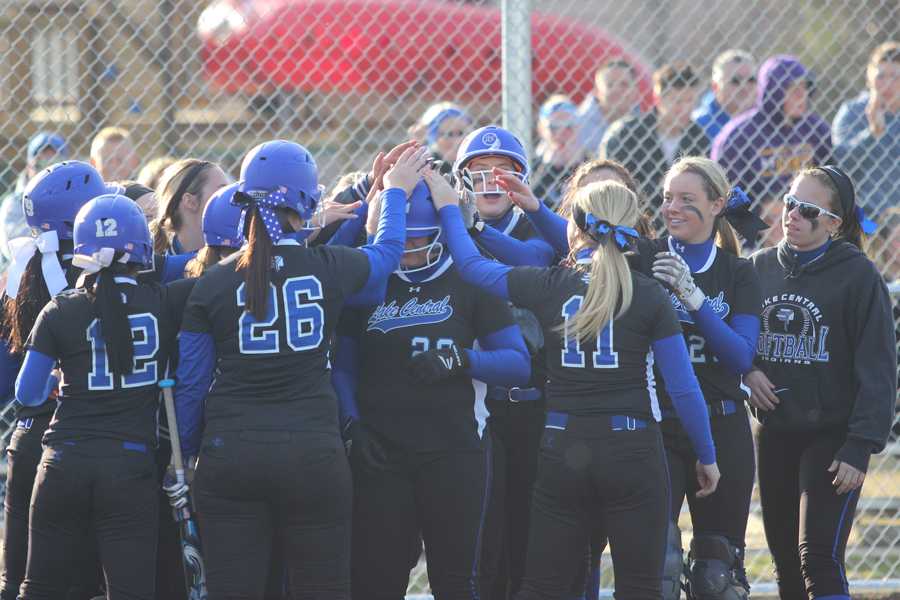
<point x="824" y="385"/>
<point x="442" y="127"/>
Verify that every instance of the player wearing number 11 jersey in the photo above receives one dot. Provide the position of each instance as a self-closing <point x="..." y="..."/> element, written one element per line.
<point x="254" y="395"/>
<point x="602" y="459"/>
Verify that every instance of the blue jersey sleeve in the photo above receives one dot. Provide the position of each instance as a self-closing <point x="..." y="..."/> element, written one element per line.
<point x="173" y="269"/>
<point x="508" y="250"/>
<point x="552" y="228"/>
<point x="734" y="343"/>
<point x="384" y="254"/>
<point x="344" y="378"/>
<point x="34" y="383"/>
<point x="502" y="358"/>
<point x="196" y="360"/>
<point x="470" y="264"/>
<point x="681" y="384"/>
<point x="9" y="368"/>
<point x="349" y="231"/>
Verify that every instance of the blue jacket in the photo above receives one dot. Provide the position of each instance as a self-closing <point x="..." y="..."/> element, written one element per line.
<point x="710" y="115"/>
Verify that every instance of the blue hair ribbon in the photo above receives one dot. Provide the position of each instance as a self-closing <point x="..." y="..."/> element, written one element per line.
<point x="867" y="225"/>
<point x="601" y="230"/>
<point x="266" y="203"/>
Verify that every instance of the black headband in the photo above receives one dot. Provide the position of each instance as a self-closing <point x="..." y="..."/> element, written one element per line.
<point x="844" y="185"/>
<point x="186" y="183"/>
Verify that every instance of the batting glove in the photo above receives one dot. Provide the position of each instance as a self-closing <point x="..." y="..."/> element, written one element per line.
<point x="440" y="364"/>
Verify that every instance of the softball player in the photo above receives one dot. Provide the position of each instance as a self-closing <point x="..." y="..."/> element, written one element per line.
<point x="41" y="268"/>
<point x="413" y="382"/>
<point x="716" y="295"/>
<point x="602" y="457"/>
<point x="825" y="383"/>
<point x="109" y="339"/>
<point x="253" y="394"/>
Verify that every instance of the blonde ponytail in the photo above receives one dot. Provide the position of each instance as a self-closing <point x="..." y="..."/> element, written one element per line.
<point x="610" y="288"/>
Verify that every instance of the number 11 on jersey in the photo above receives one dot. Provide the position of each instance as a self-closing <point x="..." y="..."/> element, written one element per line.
<point x="604" y="357"/>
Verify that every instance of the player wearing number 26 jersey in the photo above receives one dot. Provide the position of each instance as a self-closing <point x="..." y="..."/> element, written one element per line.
<point x="602" y="457"/>
<point x="254" y="396"/>
<point x="110" y="339"/>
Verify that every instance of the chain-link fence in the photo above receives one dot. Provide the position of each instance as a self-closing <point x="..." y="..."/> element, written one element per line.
<point x="349" y="77"/>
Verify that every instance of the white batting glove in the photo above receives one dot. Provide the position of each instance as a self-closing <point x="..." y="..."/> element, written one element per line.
<point x="671" y="270"/>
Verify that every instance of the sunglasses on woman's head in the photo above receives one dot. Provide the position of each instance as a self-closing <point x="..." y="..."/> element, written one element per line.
<point x="808" y="211"/>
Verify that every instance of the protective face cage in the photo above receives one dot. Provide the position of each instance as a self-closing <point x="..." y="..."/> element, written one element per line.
<point x="483" y="182"/>
<point x="434" y="250"/>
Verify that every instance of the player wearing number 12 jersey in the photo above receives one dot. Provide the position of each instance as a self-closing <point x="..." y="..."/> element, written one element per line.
<point x="602" y="457"/>
<point x="254" y="395"/>
<point x="110" y="338"/>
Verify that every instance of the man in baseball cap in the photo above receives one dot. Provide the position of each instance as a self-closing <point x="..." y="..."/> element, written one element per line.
<point x="44" y="149"/>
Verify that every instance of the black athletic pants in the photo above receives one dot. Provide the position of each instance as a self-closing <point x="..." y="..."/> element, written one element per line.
<point x="726" y="511"/>
<point x="590" y="473"/>
<point x="807" y="523"/>
<point x="252" y="486"/>
<point x="23" y="455"/>
<point x="442" y="496"/>
<point x="517" y="429"/>
<point x="103" y="485"/>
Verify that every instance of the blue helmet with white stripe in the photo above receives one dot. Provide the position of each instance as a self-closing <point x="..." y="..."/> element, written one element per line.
<point x="222" y="219"/>
<point x="492" y="141"/>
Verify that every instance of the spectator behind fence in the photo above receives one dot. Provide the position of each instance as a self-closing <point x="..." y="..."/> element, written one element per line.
<point x="731" y="91"/>
<point x="649" y="144"/>
<point x="559" y="152"/>
<point x="151" y="172"/>
<point x="866" y="132"/>
<point x="884" y="246"/>
<point x="442" y="127"/>
<point x="43" y="150"/>
<point x="112" y="154"/>
<point x="615" y="96"/>
<point x="763" y="148"/>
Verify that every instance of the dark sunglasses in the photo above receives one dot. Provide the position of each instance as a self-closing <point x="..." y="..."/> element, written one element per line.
<point x="741" y="80"/>
<point x="453" y="133"/>
<point x="559" y="126"/>
<point x="808" y="211"/>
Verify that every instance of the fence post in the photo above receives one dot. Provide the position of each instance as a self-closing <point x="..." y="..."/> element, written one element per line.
<point x="515" y="31"/>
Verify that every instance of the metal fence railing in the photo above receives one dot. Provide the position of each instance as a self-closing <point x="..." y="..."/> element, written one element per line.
<point x="212" y="78"/>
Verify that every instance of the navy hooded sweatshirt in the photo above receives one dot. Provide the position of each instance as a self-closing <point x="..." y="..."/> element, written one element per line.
<point x="827" y="344"/>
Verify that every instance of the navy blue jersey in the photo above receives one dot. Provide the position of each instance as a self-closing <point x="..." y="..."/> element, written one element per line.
<point x="612" y="373"/>
<point x="417" y="317"/>
<point x="732" y="287"/>
<point x="273" y="374"/>
<point x="93" y="401"/>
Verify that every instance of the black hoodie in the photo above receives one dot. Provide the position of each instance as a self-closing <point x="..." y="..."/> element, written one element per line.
<point x="827" y="344"/>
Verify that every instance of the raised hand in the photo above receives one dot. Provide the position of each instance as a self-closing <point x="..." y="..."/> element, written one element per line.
<point x="407" y="170"/>
<point x="517" y="190"/>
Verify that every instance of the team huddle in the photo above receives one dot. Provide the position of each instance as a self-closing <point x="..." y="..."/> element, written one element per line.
<point x="441" y="361"/>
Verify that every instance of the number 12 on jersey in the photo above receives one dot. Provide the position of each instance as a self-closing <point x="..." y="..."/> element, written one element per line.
<point x="604" y="357"/>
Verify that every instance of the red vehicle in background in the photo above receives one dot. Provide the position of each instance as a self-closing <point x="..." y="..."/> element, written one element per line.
<point x="441" y="50"/>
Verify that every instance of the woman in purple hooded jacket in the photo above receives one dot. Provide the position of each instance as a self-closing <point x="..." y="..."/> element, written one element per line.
<point x="763" y="148"/>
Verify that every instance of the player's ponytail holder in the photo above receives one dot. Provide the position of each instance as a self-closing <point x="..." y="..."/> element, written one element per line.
<point x="22" y="249"/>
<point x="266" y="203"/>
<point x="599" y="230"/>
<point x="740" y="217"/>
<point x="867" y="225"/>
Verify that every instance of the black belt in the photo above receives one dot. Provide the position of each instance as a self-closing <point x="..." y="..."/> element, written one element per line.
<point x="515" y="394"/>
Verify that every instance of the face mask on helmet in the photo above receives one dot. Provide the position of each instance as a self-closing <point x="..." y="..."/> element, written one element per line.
<point x="490" y="141"/>
<point x="483" y="182"/>
<point x="433" y="249"/>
